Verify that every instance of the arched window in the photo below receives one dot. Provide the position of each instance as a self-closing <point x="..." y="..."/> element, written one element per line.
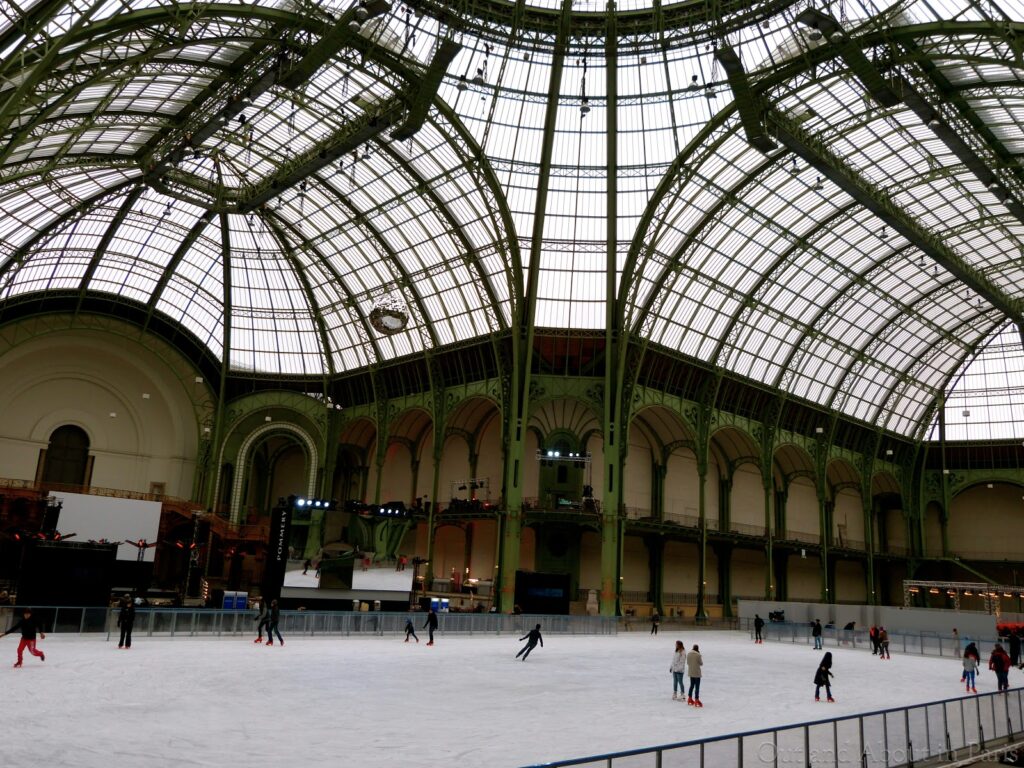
<point x="67" y="457"/>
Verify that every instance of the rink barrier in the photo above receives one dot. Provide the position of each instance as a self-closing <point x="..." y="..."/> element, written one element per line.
<point x="934" y="734"/>
<point x="204" y="622"/>
<point x="916" y="643"/>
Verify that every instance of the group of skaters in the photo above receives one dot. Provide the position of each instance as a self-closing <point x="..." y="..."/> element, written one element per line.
<point x="688" y="663"/>
<point x="267" y="618"/>
<point x="430" y="626"/>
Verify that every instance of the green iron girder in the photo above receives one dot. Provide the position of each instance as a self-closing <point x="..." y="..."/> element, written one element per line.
<point x="370" y="347"/>
<point x="885" y="208"/>
<point x="101" y="247"/>
<point x="171" y="267"/>
<point x="285" y="246"/>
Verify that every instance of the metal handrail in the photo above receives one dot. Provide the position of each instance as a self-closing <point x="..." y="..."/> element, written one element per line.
<point x="913" y="754"/>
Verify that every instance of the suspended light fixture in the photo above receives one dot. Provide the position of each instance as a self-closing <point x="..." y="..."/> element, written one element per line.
<point x="818" y="185"/>
<point x="815" y="34"/>
<point x="584" y="101"/>
<point x="694" y="86"/>
<point x="884" y="234"/>
<point x="389" y="315"/>
<point x="794" y="169"/>
<point x="709" y="92"/>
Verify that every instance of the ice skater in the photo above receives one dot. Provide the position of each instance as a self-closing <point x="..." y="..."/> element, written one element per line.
<point x="998" y="662"/>
<point x="262" y="618"/>
<point x="873" y="637"/>
<point x="272" y="620"/>
<point x="1014" y="644"/>
<point x="821" y="678"/>
<point x="28" y="626"/>
<point x="125" y="620"/>
<point x="970" y="669"/>
<point x="431" y="625"/>
<point x="677" y="669"/>
<point x="410" y="630"/>
<point x="655" y="621"/>
<point x="758" y="626"/>
<point x="816" y="634"/>
<point x="883" y="644"/>
<point x="532" y="637"/>
<point x="693" y="664"/>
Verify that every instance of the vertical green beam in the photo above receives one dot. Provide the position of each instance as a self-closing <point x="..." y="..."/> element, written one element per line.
<point x="702" y="555"/>
<point x="435" y="484"/>
<point x="615" y="417"/>
<point x="519" y="390"/>
<point x="946" y="501"/>
<point x="225" y="366"/>
<point x="769" y="572"/>
<point x="823" y="525"/>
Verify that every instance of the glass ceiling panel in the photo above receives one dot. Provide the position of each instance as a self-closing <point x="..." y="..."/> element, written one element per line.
<point x="751" y="263"/>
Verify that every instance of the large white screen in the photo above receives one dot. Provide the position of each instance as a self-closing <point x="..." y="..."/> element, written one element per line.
<point x="105" y="517"/>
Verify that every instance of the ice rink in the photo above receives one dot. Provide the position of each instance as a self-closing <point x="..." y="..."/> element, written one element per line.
<point x="374" y="702"/>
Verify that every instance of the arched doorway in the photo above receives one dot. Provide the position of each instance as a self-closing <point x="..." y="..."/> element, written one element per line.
<point x="66" y="459"/>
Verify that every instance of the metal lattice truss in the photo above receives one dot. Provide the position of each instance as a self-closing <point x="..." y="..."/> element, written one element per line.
<point x="990" y="594"/>
<point x="827" y="201"/>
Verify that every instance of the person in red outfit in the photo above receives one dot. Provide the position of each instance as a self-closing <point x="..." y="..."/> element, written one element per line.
<point x="28" y="627"/>
<point x="999" y="662"/>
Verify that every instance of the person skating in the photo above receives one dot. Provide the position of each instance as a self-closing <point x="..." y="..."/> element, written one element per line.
<point x="28" y="626"/>
<point x="999" y="662"/>
<point x="693" y="664"/>
<point x="816" y="634"/>
<point x="262" y="618"/>
<point x="125" y="620"/>
<point x="532" y="638"/>
<point x="655" y="621"/>
<point x="972" y="651"/>
<point x="678" y="668"/>
<point x="272" y="620"/>
<point x="821" y="678"/>
<point x="410" y="630"/>
<point x="430" y="626"/>
<point x="873" y="636"/>
<point x="758" y="626"/>
<point x="970" y="662"/>
<point x="883" y="644"/>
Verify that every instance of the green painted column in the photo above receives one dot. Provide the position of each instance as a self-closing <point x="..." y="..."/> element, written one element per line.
<point x="769" y="570"/>
<point x="611" y="540"/>
<point x="702" y="555"/>
<point x="868" y="504"/>
<point x="723" y="554"/>
<point x="434" y="488"/>
<point x="656" y="565"/>
<point x="826" y="596"/>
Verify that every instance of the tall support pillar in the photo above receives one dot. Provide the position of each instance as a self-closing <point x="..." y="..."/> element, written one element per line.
<point x="725" y="503"/>
<point x="656" y="563"/>
<point x="723" y="553"/>
<point x="781" y="563"/>
<point x="658" y="474"/>
<point x="702" y="555"/>
<point x="826" y="596"/>
<point x="868" y="506"/>
<point x="435" y="483"/>
<point x="769" y="572"/>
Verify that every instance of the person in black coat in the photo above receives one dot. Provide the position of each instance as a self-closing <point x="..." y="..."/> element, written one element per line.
<point x="125" y="620"/>
<point x="410" y="630"/>
<point x="816" y="634"/>
<point x="532" y="637"/>
<point x="272" y="620"/>
<point x="28" y="626"/>
<point x="821" y="677"/>
<point x="431" y="625"/>
<point x="758" y="626"/>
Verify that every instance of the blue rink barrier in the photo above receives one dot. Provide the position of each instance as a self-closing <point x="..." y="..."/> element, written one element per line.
<point x="931" y="734"/>
<point x="204" y="622"/>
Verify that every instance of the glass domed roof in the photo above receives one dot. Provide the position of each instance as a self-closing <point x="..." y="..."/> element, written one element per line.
<point x="234" y="168"/>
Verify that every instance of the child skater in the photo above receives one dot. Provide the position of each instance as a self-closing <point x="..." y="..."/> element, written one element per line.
<point x="410" y="630"/>
<point x="532" y="637"/>
<point x="970" y="668"/>
<point x="28" y="627"/>
<point x="677" y="669"/>
<point x="821" y="677"/>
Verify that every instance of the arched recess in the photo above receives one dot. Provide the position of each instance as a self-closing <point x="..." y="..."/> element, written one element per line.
<point x="558" y="424"/>
<point x="847" y="511"/>
<point x="660" y="471"/>
<point x="886" y="500"/>
<point x="984" y="521"/>
<point x="741" y="490"/>
<point x="449" y="552"/>
<point x="478" y="420"/>
<point x="794" y="475"/>
<point x="66" y="459"/>
<point x="352" y="469"/>
<point x="242" y="461"/>
<point x="407" y="435"/>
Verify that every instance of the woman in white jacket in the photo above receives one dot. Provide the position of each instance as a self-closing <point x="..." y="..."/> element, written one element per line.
<point x="677" y="669"/>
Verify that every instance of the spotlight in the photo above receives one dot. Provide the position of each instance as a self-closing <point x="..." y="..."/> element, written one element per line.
<point x="354" y="26"/>
<point x="693" y="86"/>
<point x="585" y="107"/>
<point x="935" y="123"/>
<point x="815" y="33"/>
<point x="818" y="185"/>
<point x="461" y="85"/>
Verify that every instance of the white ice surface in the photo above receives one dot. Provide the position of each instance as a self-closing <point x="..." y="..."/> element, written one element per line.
<point x="374" y="702"/>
